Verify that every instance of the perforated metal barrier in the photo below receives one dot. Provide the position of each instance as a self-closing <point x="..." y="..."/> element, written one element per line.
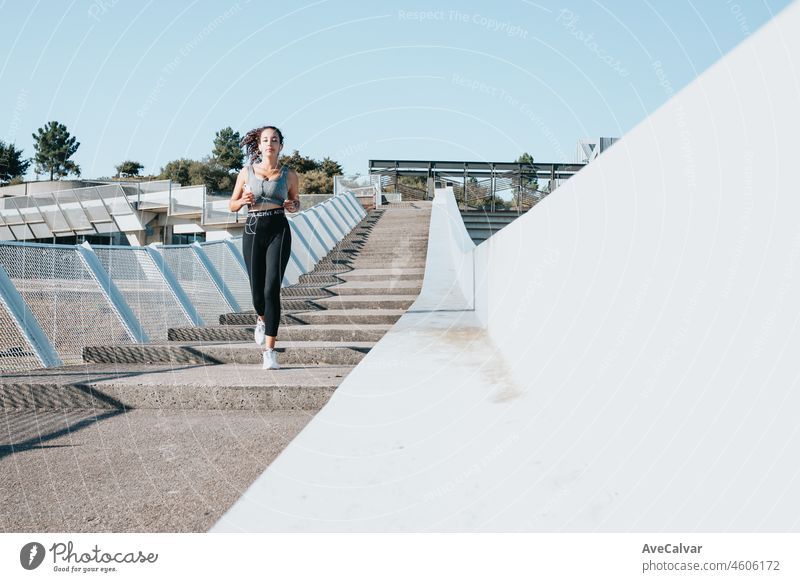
<point x="199" y="284"/>
<point x="64" y="295"/>
<point x="16" y="351"/>
<point x="57" y="299"/>
<point x="145" y="288"/>
<point x="229" y="263"/>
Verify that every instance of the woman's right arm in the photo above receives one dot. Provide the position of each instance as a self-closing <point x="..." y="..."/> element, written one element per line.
<point x="240" y="196"/>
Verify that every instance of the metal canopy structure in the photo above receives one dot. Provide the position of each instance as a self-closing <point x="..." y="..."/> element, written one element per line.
<point x="475" y="184"/>
<point x="432" y="168"/>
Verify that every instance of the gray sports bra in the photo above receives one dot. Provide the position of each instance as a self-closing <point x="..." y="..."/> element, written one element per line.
<point x="268" y="191"/>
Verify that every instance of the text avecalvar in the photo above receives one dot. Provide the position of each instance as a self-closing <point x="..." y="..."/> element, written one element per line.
<point x="671" y="549"/>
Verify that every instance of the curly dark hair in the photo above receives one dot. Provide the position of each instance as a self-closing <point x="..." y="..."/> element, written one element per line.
<point x="250" y="141"/>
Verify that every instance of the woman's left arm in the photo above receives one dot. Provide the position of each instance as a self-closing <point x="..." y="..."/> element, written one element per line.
<point x="292" y="203"/>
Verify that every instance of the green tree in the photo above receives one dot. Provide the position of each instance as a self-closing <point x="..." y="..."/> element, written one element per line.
<point x="330" y="167"/>
<point x="486" y="204"/>
<point x="526" y="185"/>
<point x="315" y="182"/>
<point x="525" y="158"/>
<point x="206" y="172"/>
<point x="200" y="174"/>
<point x="177" y="171"/>
<point x="527" y="182"/>
<point x="211" y="173"/>
<point x="227" y="152"/>
<point x="129" y="168"/>
<point x="54" y="147"/>
<point x="299" y="163"/>
<point x="12" y="164"/>
<point x="223" y="181"/>
<point x="315" y="177"/>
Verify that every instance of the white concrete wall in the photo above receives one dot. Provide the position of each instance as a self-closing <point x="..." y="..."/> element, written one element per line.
<point x="631" y="363"/>
<point x="648" y="313"/>
<point x="451" y="258"/>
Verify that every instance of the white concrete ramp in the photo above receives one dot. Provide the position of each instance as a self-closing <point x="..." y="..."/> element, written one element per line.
<point x="631" y="363"/>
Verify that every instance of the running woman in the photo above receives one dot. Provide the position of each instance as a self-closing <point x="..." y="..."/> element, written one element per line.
<point x="268" y="190"/>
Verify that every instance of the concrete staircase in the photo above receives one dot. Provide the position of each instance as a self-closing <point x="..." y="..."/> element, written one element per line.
<point x="330" y="319"/>
<point x="481" y="224"/>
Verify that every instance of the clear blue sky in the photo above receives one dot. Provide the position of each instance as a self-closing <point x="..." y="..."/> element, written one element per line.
<point x="153" y="81"/>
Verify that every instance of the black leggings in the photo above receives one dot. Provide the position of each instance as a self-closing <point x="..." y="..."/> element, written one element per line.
<point x="267" y="244"/>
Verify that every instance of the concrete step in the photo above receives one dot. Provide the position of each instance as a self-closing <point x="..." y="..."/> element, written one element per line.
<point x="395" y="253"/>
<point x="294" y="353"/>
<point x="381" y="237"/>
<point x="471" y="218"/>
<point x="397" y="261"/>
<point x="352" y="316"/>
<point x="403" y="231"/>
<point x="319" y="279"/>
<point x="308" y="291"/>
<point x="299" y="304"/>
<point x="382" y="274"/>
<point x="366" y="302"/>
<point x="340" y="267"/>
<point x="289" y="304"/>
<point x="375" y="261"/>
<point x="347" y="332"/>
<point x="403" y="263"/>
<point x="327" y="270"/>
<point x="377" y="249"/>
<point x="378" y="241"/>
<point x="206" y="387"/>
<point x="386" y="301"/>
<point x="400" y="233"/>
<point x="377" y="287"/>
<point x="375" y="241"/>
<point x="334" y="264"/>
<point x="393" y="301"/>
<point x="332" y="316"/>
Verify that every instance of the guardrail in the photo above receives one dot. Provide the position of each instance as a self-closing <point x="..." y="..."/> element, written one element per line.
<point x="57" y="299"/>
<point x="368" y="186"/>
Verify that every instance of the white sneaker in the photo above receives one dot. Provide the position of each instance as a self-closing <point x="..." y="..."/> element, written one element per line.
<point x="270" y="360"/>
<point x="260" y="333"/>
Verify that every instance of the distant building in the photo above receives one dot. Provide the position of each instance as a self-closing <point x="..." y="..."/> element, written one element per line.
<point x="119" y="212"/>
<point x="114" y="212"/>
<point x="588" y="149"/>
